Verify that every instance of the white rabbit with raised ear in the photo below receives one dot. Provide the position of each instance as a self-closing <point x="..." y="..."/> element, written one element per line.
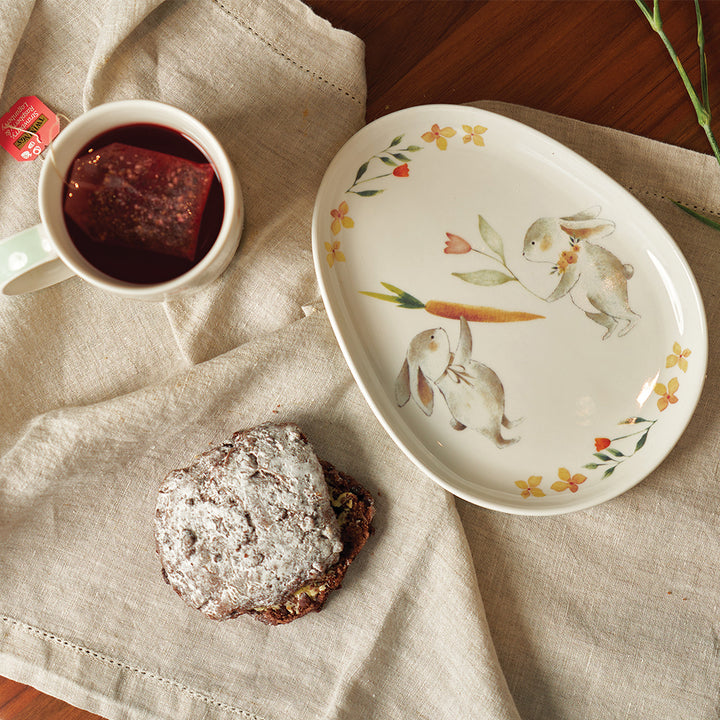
<point x="593" y="277"/>
<point x="472" y="391"/>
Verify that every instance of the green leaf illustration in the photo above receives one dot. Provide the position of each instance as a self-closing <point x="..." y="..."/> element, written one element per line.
<point x="396" y="141"/>
<point x="609" y="471"/>
<point x="392" y="288"/>
<point x="592" y="466"/>
<point x="388" y="161"/>
<point x="413" y="148"/>
<point x="602" y="456"/>
<point x="485" y="277"/>
<point x="642" y="440"/>
<point x="400" y="298"/>
<point x="361" y="170"/>
<point x="615" y="452"/>
<point x="379" y="296"/>
<point x="368" y="193"/>
<point x="400" y="156"/>
<point x="491" y="238"/>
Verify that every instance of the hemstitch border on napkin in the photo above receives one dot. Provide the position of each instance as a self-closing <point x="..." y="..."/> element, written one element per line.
<point x="663" y="196"/>
<point x="195" y="694"/>
<point x="246" y="26"/>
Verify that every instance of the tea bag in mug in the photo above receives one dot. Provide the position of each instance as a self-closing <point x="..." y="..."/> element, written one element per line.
<point x="130" y="196"/>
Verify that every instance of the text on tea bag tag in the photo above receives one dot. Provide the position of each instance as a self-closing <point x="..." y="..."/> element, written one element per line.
<point x="27" y="128"/>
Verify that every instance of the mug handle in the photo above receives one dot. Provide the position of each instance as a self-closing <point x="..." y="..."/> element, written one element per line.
<point x="28" y="262"/>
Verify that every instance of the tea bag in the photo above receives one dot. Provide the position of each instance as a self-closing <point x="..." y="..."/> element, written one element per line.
<point x="129" y="196"/>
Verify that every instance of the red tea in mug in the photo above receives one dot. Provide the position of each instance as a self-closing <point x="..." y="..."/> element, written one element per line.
<point x="143" y="203"/>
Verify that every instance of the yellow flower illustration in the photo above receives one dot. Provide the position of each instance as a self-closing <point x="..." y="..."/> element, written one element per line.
<point x="438" y="136"/>
<point x="679" y="357"/>
<point x="340" y="218"/>
<point x="474" y="134"/>
<point x="667" y="394"/>
<point x="530" y="487"/>
<point x="334" y="253"/>
<point x="568" y="481"/>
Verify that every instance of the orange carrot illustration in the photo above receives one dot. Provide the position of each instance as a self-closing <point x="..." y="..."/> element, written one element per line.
<point x="451" y="310"/>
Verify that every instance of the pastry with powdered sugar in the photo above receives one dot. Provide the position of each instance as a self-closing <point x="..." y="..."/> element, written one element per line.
<point x="260" y="525"/>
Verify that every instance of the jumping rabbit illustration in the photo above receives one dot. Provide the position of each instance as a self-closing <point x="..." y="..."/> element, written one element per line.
<point x="472" y="391"/>
<point x="593" y="277"/>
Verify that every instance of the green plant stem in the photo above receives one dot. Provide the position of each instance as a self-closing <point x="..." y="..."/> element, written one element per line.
<point x="698" y="216"/>
<point x="702" y="106"/>
<point x="637" y="432"/>
<point x="510" y="272"/>
<point x="370" y="179"/>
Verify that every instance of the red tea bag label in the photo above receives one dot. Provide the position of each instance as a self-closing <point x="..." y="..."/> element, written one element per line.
<point x="27" y="128"/>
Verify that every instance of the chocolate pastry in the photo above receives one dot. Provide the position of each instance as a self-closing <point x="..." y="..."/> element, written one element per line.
<point x="259" y="525"/>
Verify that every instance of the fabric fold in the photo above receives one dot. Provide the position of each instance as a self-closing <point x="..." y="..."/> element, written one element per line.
<point x="407" y="621"/>
<point x="15" y="18"/>
<point x="103" y="397"/>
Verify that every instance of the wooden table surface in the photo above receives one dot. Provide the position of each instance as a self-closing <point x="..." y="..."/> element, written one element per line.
<point x="596" y="61"/>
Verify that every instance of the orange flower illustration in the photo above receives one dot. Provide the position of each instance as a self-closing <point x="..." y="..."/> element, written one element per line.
<point x="667" y="394"/>
<point x="401" y="170"/>
<point x="602" y="443"/>
<point x="438" y="136"/>
<point x="340" y="218"/>
<point x="334" y="253"/>
<point x="567" y="257"/>
<point x="474" y="134"/>
<point x="679" y="357"/>
<point x="530" y="487"/>
<point x="568" y="481"/>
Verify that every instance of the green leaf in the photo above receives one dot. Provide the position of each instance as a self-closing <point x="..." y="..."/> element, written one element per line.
<point x="367" y="193"/>
<point x="591" y="466"/>
<point x="615" y="452"/>
<point x="388" y="161"/>
<point x="413" y="148"/>
<point x="602" y="456"/>
<point x="609" y="471"/>
<point x="703" y="58"/>
<point x="404" y="299"/>
<point x="485" y="277"/>
<point x="641" y="441"/>
<point x="396" y="141"/>
<point x="361" y="170"/>
<point x="379" y="296"/>
<point x="402" y="157"/>
<point x="491" y="238"/>
<point x="698" y="216"/>
<point x="409" y="302"/>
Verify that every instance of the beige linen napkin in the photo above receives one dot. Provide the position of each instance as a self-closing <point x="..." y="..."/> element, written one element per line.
<point x="101" y="397"/>
<point x="613" y="612"/>
<point x="607" y="613"/>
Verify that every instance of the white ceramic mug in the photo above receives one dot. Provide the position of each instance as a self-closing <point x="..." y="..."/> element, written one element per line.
<point x="45" y="254"/>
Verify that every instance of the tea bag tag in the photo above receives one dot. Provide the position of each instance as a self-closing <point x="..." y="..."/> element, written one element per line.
<point x="27" y="128"/>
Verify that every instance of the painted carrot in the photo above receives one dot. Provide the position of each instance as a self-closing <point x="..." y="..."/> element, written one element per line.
<point x="451" y="310"/>
<point x="476" y="313"/>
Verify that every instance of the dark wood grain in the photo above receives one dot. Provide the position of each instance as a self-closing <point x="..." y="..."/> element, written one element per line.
<point x="585" y="59"/>
<point x="596" y="61"/>
<point x="22" y="702"/>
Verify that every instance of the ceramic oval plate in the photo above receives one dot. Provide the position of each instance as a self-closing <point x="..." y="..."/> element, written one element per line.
<point x="524" y="329"/>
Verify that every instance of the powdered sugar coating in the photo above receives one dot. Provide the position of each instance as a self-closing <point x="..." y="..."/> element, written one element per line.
<point x="247" y="523"/>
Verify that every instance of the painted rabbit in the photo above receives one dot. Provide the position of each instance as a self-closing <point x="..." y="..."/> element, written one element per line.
<point x="472" y="391"/>
<point x="593" y="277"/>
